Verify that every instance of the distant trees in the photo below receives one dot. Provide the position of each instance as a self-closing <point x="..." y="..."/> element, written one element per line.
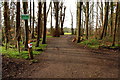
<point x="62" y="17"/>
<point x="101" y="27"/>
<point x="88" y="26"/>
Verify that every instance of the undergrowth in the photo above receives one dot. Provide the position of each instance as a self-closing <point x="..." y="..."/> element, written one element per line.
<point x="13" y="52"/>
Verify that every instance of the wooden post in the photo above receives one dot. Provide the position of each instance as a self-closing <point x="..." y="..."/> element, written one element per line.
<point x="30" y="53"/>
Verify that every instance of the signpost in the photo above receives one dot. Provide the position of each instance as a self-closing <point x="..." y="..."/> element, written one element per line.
<point x="25" y="16"/>
<point x="30" y="49"/>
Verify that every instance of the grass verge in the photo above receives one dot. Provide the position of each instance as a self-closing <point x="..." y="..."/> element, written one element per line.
<point x="13" y="52"/>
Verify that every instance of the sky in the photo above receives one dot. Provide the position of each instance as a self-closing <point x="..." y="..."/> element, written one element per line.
<point x="70" y="5"/>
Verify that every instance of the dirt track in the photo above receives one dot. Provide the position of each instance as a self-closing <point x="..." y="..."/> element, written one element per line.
<point x="64" y="59"/>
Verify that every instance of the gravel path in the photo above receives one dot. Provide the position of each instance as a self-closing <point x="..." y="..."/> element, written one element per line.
<point x="64" y="59"/>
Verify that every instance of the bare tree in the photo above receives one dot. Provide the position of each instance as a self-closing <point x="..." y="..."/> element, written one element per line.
<point x="44" y="32"/>
<point x="87" y="18"/>
<point x="51" y="19"/>
<point x="79" y="26"/>
<point x="18" y="26"/>
<point x="25" y="5"/>
<point x="111" y="18"/>
<point x="62" y="17"/>
<point x="30" y="15"/>
<point x="39" y="24"/>
<point x="56" y="32"/>
<point x="101" y="12"/>
<point x="33" y="20"/>
<point x="105" y="20"/>
<point x="6" y="22"/>
<point x="114" y="36"/>
<point x="72" y="30"/>
<point x="119" y="26"/>
<point x="96" y="20"/>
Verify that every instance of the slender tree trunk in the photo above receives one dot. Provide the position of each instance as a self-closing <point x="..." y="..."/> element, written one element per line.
<point x="105" y="20"/>
<point x="114" y="36"/>
<point x="6" y="23"/>
<point x="44" y="32"/>
<point x="72" y="30"/>
<point x="56" y="32"/>
<point x="96" y="20"/>
<point x="87" y="18"/>
<point x="62" y="21"/>
<point x="18" y="26"/>
<point x="33" y="20"/>
<point x="30" y="15"/>
<point x="61" y="32"/>
<point x="111" y="18"/>
<point x="101" y="13"/>
<point x="51" y="20"/>
<point x="25" y="5"/>
<point x="39" y="24"/>
<point x="119" y="26"/>
<point x="0" y="27"/>
<point x="79" y="27"/>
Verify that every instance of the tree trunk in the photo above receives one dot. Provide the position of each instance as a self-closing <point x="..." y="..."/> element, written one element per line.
<point x="101" y="13"/>
<point x="111" y="18"/>
<point x="79" y="26"/>
<point x="96" y="21"/>
<point x="25" y="5"/>
<point x="39" y="24"/>
<point x="119" y="27"/>
<point x="87" y="18"/>
<point x="72" y="30"/>
<point x="33" y="21"/>
<point x="51" y="21"/>
<point x="1" y="37"/>
<point x="6" y="23"/>
<point x="18" y="26"/>
<point x="56" y="33"/>
<point x="105" y="21"/>
<point x="114" y="36"/>
<point x="61" y="32"/>
<point x="62" y="22"/>
<point x="30" y="15"/>
<point x="44" y="32"/>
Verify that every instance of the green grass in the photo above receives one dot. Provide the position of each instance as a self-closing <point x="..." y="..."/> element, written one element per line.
<point x="67" y="33"/>
<point x="95" y="43"/>
<point x="92" y="43"/>
<point x="49" y="36"/>
<point x="13" y="53"/>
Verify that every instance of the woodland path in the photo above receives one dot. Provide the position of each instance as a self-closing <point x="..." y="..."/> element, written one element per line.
<point x="65" y="59"/>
